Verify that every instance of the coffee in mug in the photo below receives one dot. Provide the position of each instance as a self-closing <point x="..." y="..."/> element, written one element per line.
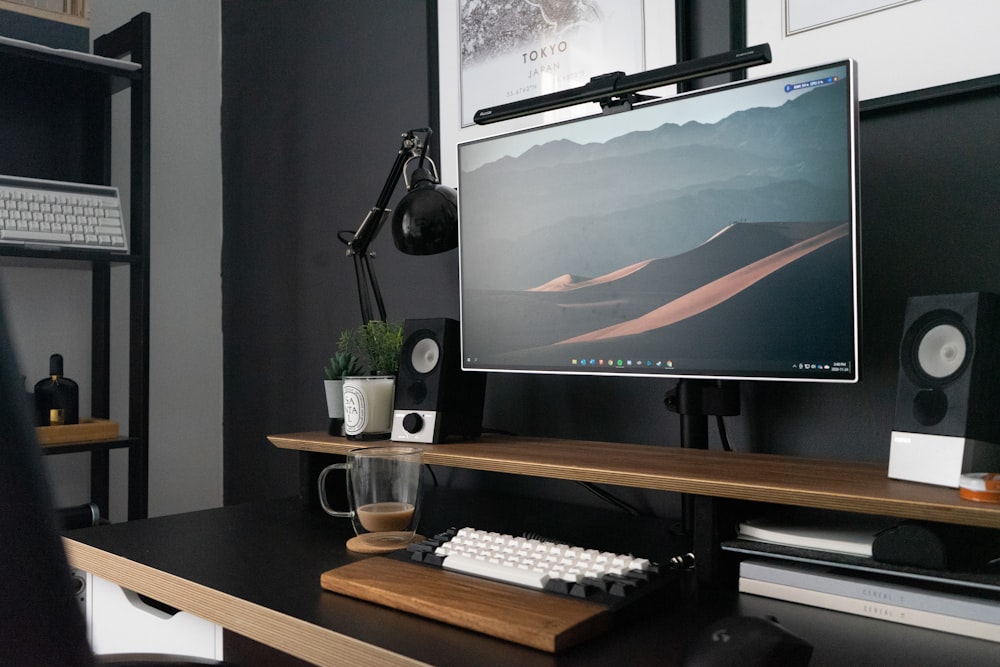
<point x="383" y="493"/>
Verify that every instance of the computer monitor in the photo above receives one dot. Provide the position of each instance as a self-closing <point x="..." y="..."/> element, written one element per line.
<point x="710" y="235"/>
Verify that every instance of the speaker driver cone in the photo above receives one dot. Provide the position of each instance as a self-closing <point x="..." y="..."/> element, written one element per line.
<point x="941" y="351"/>
<point x="425" y="355"/>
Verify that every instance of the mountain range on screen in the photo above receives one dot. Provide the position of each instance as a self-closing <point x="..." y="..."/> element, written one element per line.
<point x="668" y="236"/>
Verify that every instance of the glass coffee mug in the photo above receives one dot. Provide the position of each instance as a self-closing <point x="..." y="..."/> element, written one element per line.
<point x="383" y="492"/>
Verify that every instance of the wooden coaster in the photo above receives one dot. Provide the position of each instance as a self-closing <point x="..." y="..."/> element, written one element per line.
<point x="360" y="545"/>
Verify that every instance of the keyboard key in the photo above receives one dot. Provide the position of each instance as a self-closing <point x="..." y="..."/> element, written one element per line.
<point x="560" y="586"/>
<point x="582" y="590"/>
<point x="595" y="582"/>
<point x="500" y="572"/>
<point x="29" y="236"/>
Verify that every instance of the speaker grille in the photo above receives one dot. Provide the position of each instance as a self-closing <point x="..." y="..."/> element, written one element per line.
<point x="936" y="348"/>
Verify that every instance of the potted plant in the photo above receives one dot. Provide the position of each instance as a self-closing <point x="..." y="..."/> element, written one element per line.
<point x="368" y="398"/>
<point x="342" y="364"/>
<point x="376" y="345"/>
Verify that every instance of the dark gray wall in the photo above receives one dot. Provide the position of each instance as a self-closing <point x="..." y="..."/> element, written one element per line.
<point x="315" y="97"/>
<point x="313" y="106"/>
<point x="929" y="226"/>
<point x="708" y="27"/>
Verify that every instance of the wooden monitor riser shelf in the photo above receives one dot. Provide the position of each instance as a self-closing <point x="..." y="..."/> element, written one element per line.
<point x="834" y="485"/>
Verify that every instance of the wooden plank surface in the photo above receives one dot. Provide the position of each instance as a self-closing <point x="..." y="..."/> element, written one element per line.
<point x="88" y="430"/>
<point x="310" y="642"/>
<point x="836" y="485"/>
<point x="532" y="618"/>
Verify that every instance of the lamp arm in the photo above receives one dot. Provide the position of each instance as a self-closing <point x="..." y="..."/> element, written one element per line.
<point x="372" y="224"/>
<point x="357" y="246"/>
<point x="368" y="289"/>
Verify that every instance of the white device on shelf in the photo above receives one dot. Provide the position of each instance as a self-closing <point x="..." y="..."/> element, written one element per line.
<point x="60" y="214"/>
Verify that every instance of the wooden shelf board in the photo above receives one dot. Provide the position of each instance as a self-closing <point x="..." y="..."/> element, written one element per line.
<point x="835" y="485"/>
<point x="121" y="442"/>
<point x="88" y="430"/>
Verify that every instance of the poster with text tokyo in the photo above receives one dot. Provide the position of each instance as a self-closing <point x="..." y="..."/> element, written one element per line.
<point x="518" y="49"/>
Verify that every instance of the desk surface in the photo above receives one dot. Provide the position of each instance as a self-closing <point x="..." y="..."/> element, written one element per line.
<point x="255" y="569"/>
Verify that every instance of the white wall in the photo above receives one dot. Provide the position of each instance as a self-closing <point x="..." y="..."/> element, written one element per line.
<point x="903" y="48"/>
<point x="185" y="452"/>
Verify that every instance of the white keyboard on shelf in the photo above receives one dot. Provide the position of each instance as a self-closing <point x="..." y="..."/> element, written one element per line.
<point x="60" y="214"/>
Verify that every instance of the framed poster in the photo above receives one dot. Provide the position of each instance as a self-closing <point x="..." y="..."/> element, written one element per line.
<point x="802" y="15"/>
<point x="517" y="49"/>
<point x="492" y="52"/>
<point x="899" y="46"/>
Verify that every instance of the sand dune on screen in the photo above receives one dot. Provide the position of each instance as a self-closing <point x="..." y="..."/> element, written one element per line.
<point x="709" y="295"/>
<point x="567" y="282"/>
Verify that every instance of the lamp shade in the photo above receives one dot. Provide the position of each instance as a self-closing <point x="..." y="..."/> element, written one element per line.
<point x="425" y="221"/>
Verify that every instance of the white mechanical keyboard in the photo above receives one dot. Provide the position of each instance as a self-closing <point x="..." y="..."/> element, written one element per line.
<point x="610" y="578"/>
<point x="59" y="214"/>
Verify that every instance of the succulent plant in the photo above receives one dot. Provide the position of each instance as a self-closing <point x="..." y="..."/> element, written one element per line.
<point x="342" y="364"/>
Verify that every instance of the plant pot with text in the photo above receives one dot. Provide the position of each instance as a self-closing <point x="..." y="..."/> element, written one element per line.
<point x="368" y="398"/>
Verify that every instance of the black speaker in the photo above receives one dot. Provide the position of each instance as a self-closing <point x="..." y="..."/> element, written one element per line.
<point x="947" y="419"/>
<point x="435" y="398"/>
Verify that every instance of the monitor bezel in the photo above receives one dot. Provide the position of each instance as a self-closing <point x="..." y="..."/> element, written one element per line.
<point x="851" y="377"/>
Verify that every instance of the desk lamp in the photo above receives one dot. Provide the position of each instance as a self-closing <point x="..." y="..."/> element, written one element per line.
<point x="424" y="223"/>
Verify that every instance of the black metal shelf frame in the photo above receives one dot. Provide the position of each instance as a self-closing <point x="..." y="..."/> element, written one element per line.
<point x="94" y="84"/>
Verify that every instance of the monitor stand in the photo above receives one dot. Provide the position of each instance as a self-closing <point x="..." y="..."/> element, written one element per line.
<point x="695" y="401"/>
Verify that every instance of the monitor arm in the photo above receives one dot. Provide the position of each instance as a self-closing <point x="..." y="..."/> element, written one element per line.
<point x="697" y="400"/>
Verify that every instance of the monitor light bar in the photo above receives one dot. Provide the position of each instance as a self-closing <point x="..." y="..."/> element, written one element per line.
<point x="618" y="84"/>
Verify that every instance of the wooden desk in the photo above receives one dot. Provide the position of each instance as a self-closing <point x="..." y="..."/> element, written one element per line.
<point x="254" y="569"/>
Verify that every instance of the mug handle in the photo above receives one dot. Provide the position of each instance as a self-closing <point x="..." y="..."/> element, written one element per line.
<point x="322" y="490"/>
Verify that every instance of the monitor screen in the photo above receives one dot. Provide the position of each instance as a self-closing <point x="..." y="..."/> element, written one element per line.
<point x="710" y="235"/>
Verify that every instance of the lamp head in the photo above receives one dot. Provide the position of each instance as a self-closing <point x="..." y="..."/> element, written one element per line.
<point x="425" y="221"/>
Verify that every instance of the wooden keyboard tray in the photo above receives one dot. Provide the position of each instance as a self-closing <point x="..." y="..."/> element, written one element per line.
<point x="532" y="618"/>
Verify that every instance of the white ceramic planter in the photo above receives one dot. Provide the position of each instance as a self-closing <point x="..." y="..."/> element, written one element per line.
<point x="334" y="398"/>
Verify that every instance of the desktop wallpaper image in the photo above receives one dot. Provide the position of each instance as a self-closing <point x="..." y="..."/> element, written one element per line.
<point x="682" y="243"/>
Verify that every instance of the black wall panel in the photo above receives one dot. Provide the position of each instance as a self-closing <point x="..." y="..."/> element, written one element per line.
<point x="315" y="97"/>
<point x="314" y="101"/>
